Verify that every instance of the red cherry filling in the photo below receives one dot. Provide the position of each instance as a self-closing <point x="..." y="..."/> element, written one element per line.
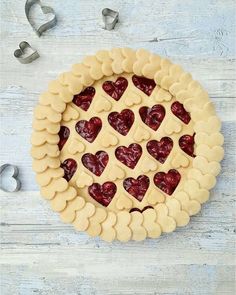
<point x="104" y="193"/>
<point x="130" y="155"/>
<point x="167" y="182"/>
<point x="179" y="111"/>
<point x="152" y="116"/>
<point x="160" y="150"/>
<point x="115" y="89"/>
<point x="64" y="134"/>
<point x="186" y="143"/>
<point x="84" y="98"/>
<point x="137" y="187"/>
<point x="95" y="163"/>
<point x="69" y="166"/>
<point x="141" y="211"/>
<point x="89" y="129"/>
<point x="121" y="122"/>
<point x="144" y="84"/>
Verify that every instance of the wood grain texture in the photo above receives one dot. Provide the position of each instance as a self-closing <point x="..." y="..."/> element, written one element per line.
<point x="40" y="254"/>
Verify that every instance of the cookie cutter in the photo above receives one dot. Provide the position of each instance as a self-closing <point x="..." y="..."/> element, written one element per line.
<point x="45" y="9"/>
<point x="25" y="59"/>
<point x="110" y="18"/>
<point x="15" y="186"/>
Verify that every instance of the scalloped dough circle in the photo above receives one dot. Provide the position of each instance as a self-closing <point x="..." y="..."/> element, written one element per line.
<point x="118" y="105"/>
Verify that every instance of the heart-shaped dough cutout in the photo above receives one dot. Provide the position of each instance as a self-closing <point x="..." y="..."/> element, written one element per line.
<point x="102" y="105"/>
<point x="210" y="126"/>
<point x="124" y="202"/>
<point x="40" y="125"/>
<point x="190" y="206"/>
<point x="61" y="199"/>
<point x="138" y="231"/>
<point x="180" y="216"/>
<point x="206" y="167"/>
<point x="72" y="82"/>
<point x="162" y="95"/>
<point x="81" y="221"/>
<point x="108" y="232"/>
<point x="45" y="178"/>
<point x="141" y="134"/>
<point x="40" y="137"/>
<point x="108" y="139"/>
<point x="50" y="99"/>
<point x="142" y="59"/>
<point x="40" y="165"/>
<point x="84" y="180"/>
<point x="148" y="165"/>
<point x="75" y="147"/>
<point x="206" y="181"/>
<point x="172" y="126"/>
<point x="155" y="197"/>
<point x="129" y="60"/>
<point x="70" y="114"/>
<point x="166" y="222"/>
<point x="208" y="110"/>
<point x="191" y="187"/>
<point x="215" y="153"/>
<point x="180" y="160"/>
<point x="68" y="214"/>
<point x="45" y="112"/>
<point x="116" y="173"/>
<point x="95" y="221"/>
<point x="149" y="222"/>
<point x="210" y="140"/>
<point x="95" y="67"/>
<point x="105" y="59"/>
<point x="123" y="232"/>
<point x="39" y="152"/>
<point x="56" y="185"/>
<point x="133" y="99"/>
<point x="117" y="59"/>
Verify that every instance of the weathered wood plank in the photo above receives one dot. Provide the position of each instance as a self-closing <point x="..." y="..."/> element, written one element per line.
<point x="83" y="277"/>
<point x="202" y="28"/>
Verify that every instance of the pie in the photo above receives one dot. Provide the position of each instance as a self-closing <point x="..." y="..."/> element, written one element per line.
<point x="126" y="145"/>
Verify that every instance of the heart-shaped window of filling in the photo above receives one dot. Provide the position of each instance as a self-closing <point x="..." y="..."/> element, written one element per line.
<point x="95" y="163"/>
<point x="121" y="122"/>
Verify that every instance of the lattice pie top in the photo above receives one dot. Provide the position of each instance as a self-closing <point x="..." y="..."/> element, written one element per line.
<point x="126" y="145"/>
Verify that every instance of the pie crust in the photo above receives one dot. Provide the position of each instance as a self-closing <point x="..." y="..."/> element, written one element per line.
<point x="123" y="174"/>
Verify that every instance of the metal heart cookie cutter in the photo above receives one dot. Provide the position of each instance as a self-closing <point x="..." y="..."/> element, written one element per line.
<point x="13" y="185"/>
<point x="45" y="9"/>
<point x="22" y="56"/>
<point x="110" y="18"/>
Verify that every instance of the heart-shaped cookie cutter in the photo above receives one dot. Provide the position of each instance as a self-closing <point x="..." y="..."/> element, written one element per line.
<point x="45" y="9"/>
<point x="108" y="14"/>
<point x="19" y="53"/>
<point x="16" y="184"/>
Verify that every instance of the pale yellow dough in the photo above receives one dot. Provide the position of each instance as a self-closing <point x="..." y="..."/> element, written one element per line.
<point x="198" y="175"/>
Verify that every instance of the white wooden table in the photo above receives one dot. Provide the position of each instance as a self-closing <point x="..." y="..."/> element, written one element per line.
<point x="40" y="254"/>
